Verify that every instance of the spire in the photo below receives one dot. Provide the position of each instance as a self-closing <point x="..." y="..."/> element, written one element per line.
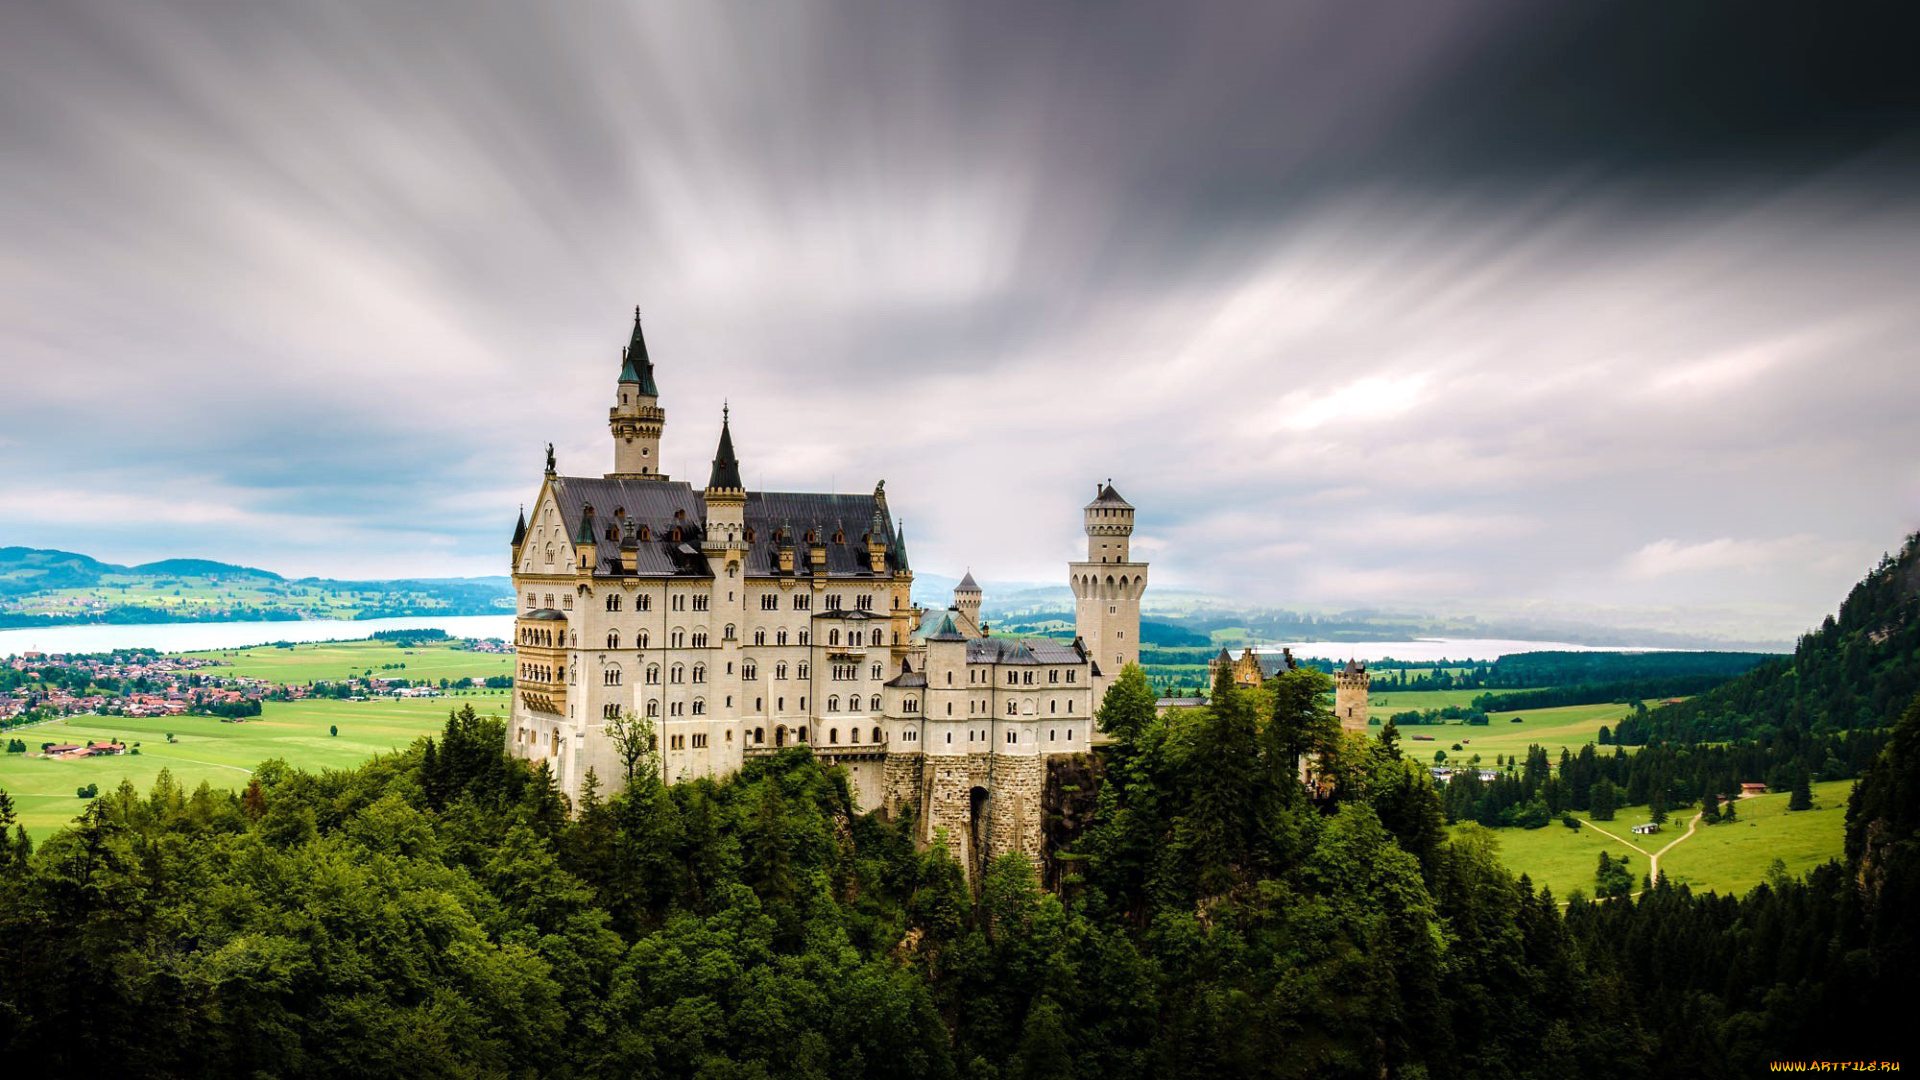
<point x="584" y="534"/>
<point x="726" y="466"/>
<point x="967" y="584"/>
<point x="520" y="529"/>
<point x="635" y="365"/>
<point x="900" y="545"/>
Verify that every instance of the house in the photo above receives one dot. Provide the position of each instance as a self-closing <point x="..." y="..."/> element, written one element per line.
<point x="1645" y="830"/>
<point x="106" y="748"/>
<point x="1749" y="790"/>
<point x="62" y="749"/>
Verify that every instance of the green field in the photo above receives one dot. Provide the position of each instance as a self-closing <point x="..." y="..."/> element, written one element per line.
<point x="1730" y="858"/>
<point x="1569" y="726"/>
<point x="341" y="659"/>
<point x="219" y="753"/>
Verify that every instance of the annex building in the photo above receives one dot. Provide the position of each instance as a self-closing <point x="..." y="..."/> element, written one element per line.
<point x="743" y="622"/>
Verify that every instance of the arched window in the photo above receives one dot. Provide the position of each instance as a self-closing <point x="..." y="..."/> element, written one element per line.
<point x="610" y="677"/>
<point x="801" y="673"/>
<point x="613" y="602"/>
<point x="729" y="632"/>
<point x="653" y="707"/>
<point x="806" y="637"/>
<point x="749" y="670"/>
<point x="699" y="706"/>
<point x="640" y="640"/>
<point x="855" y="638"/>
<point x="759" y="735"/>
<point x="833" y="736"/>
<point x="833" y="703"/>
<point x="613" y="639"/>
<point x="874" y="705"/>
<point x="699" y="673"/>
<point x="653" y="674"/>
<point x="643" y="602"/>
<point x="780" y="637"/>
<point x="759" y="637"/>
<point x="699" y="639"/>
<point x="833" y="637"/>
<point x="876" y="734"/>
<point x="780" y="670"/>
<point x="677" y="673"/>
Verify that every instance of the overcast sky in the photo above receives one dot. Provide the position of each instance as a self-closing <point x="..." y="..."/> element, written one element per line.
<point x="1429" y="303"/>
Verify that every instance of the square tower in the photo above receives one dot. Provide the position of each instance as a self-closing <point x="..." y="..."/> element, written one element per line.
<point x="1107" y="588"/>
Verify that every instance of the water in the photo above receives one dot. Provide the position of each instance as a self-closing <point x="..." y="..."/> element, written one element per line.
<point x="198" y="637"/>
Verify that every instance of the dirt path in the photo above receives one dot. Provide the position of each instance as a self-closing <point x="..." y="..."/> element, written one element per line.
<point x="1617" y="839"/>
<point x="1653" y="870"/>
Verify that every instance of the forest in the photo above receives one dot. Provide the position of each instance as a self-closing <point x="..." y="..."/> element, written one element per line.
<point x="440" y="912"/>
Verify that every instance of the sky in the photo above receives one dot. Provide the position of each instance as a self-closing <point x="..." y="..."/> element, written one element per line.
<point x="1443" y="304"/>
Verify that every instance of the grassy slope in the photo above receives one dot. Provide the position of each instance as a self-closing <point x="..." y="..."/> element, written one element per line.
<point x="338" y="660"/>
<point x="1730" y="858"/>
<point x="1570" y="726"/>
<point x="219" y="753"/>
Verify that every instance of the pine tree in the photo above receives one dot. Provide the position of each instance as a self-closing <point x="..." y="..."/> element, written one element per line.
<point x="1802" y="797"/>
<point x="1605" y="800"/>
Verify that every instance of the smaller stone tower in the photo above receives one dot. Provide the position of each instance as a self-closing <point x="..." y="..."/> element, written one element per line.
<point x="1350" y="696"/>
<point x="966" y="598"/>
<point x="636" y="417"/>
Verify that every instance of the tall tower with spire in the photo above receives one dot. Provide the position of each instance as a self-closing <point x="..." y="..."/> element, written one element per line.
<point x="636" y="417"/>
<point x="1107" y="587"/>
<point x="726" y="493"/>
<point x="966" y="597"/>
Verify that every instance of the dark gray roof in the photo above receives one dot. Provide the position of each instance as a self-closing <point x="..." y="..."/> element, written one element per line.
<point x="635" y="365"/>
<point x="1355" y="667"/>
<point x="1023" y="651"/>
<point x="1272" y="664"/>
<point x="967" y="584"/>
<point x="661" y="506"/>
<point x="546" y="613"/>
<point x="1109" y="497"/>
<point x="726" y="464"/>
<point x="908" y="680"/>
<point x="520" y="528"/>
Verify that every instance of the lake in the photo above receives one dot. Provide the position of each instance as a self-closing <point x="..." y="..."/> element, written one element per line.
<point x="196" y="637"/>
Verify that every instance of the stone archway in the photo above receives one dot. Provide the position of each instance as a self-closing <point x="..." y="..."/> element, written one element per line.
<point x="979" y="830"/>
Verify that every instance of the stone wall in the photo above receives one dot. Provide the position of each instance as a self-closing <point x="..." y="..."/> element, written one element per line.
<point x="1072" y="793"/>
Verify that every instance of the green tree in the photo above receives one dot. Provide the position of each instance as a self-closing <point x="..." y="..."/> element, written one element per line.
<point x="1605" y="800"/>
<point x="1802" y="796"/>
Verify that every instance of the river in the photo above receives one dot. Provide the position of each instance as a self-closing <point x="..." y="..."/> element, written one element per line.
<point x="196" y="637"/>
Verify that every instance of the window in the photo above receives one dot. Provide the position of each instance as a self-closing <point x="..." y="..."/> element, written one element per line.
<point x="802" y="602"/>
<point x="780" y="637"/>
<point x="770" y="602"/>
<point x="728" y="635"/>
<point x="1052" y="735"/>
<point x="780" y="670"/>
<point x="567" y="601"/>
<point x="1013" y="708"/>
<point x="643" y="602"/>
<point x="610" y="712"/>
<point x="875" y="671"/>
<point x="856" y="639"/>
<point x="613" y="639"/>
<point x="1053" y="675"/>
<point x="699" y="639"/>
<point x="833" y="703"/>
<point x="549" y="599"/>
<point x="833" y="736"/>
<point x="700" y="601"/>
<point x="803" y="731"/>
<point x="610" y="677"/>
<point x="1053" y="706"/>
<point x="700" y="737"/>
<point x="1029" y="678"/>
<point x="699" y="673"/>
<point x="699" y="706"/>
<point x="864" y="603"/>
<point x="530" y="602"/>
<point x="950" y="708"/>
<point x="653" y="674"/>
<point x="1070" y="674"/>
<point x="613" y="602"/>
<point x="640" y="640"/>
<point x="676" y="742"/>
<point x="678" y="708"/>
<point x="801" y="672"/>
<point x="833" y="602"/>
<point x="1013" y="736"/>
<point x="1069" y="712"/>
<point x="759" y="734"/>
<point x="759" y="637"/>
<point x="677" y="674"/>
<point x="653" y="707"/>
<point x="749" y="670"/>
<point x="680" y="601"/>
<point x="911" y="705"/>
<point x="806" y="637"/>
<point x="677" y="639"/>
<point x="833" y="637"/>
<point x="876" y="734"/>
<point x="874" y="704"/>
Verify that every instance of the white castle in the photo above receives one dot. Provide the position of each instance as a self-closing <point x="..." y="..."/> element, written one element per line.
<point x="743" y="622"/>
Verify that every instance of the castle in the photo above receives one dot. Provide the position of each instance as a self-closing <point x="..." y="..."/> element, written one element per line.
<point x="742" y="622"/>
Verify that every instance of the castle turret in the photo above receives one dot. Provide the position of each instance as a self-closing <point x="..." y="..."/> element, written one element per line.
<point x="636" y="417"/>
<point x="966" y="599"/>
<point x="1107" y="587"/>
<point x="726" y="494"/>
<point x="1350" y="696"/>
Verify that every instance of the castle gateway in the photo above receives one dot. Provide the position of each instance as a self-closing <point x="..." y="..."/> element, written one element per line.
<point x="739" y="623"/>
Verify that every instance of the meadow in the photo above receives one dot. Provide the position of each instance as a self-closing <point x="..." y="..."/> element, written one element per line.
<point x="342" y="659"/>
<point x="1729" y="859"/>
<point x="1569" y="727"/>
<point x="218" y="753"/>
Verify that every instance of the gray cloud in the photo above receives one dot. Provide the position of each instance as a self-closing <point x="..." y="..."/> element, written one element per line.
<point x="1416" y="303"/>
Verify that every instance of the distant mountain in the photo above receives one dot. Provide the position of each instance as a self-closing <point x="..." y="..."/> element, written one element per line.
<point x="1858" y="670"/>
<point x="46" y="588"/>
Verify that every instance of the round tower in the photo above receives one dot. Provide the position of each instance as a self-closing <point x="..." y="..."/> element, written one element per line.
<point x="1107" y="587"/>
<point x="636" y="417"/>
<point x="966" y="598"/>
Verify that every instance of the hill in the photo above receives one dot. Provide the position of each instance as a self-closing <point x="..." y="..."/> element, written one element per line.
<point x="1858" y="670"/>
<point x="49" y="588"/>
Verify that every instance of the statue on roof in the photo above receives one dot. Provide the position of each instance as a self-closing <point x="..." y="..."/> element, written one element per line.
<point x="549" y="459"/>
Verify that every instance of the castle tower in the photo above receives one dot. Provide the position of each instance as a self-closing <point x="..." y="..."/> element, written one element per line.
<point x="1350" y="696"/>
<point x="1107" y="588"/>
<point x="636" y="417"/>
<point x="966" y="598"/>
<point x="723" y="540"/>
<point x="726" y="494"/>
